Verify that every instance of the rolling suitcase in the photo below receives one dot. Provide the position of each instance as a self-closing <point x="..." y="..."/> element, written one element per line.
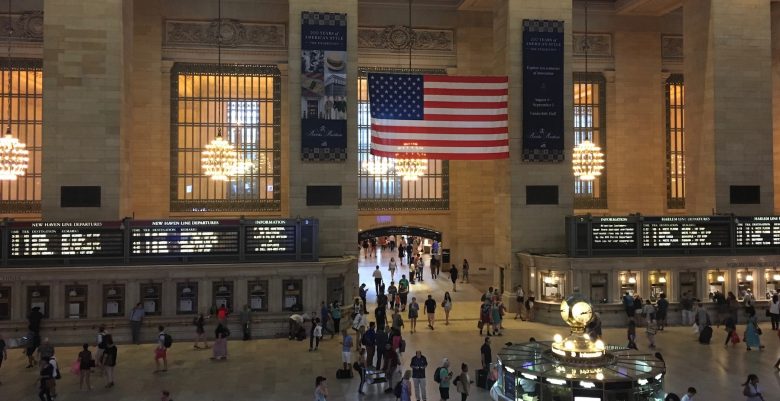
<point x="344" y="374"/>
<point x="482" y="375"/>
<point x="705" y="335"/>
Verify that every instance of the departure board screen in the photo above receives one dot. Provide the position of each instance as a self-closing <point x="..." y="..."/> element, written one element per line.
<point x="272" y="237"/>
<point x="184" y="237"/>
<point x="65" y="240"/>
<point x="686" y="232"/>
<point x="614" y="233"/>
<point x="757" y="232"/>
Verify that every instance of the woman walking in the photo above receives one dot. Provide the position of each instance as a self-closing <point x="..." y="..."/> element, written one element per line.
<point x="495" y="316"/>
<point x="465" y="271"/>
<point x="454" y="278"/>
<point x="774" y="311"/>
<point x="86" y="363"/>
<point x="200" y="332"/>
<point x="391" y="267"/>
<point x="751" y="390"/>
<point x="752" y="332"/>
<point x="109" y="359"/>
<point x="335" y="314"/>
<point x="484" y="317"/>
<point x="414" y="312"/>
<point x="406" y="386"/>
<point x="463" y="382"/>
<point x="221" y="333"/>
<point x="447" y="306"/>
<point x="320" y="389"/>
<point x="520" y="298"/>
<point x="360" y="366"/>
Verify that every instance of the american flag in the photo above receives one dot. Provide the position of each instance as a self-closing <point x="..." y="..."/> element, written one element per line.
<point x="439" y="116"/>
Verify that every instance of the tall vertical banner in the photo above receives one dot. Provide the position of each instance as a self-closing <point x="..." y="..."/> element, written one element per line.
<point x="543" y="125"/>
<point x="323" y="86"/>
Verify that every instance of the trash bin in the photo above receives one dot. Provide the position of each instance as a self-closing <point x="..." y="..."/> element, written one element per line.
<point x="445" y="256"/>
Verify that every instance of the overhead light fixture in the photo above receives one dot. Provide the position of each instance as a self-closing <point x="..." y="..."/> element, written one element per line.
<point x="587" y="161"/>
<point x="631" y="278"/>
<point x="776" y="276"/>
<point x="720" y="278"/>
<point x="14" y="158"/>
<point x="411" y="164"/>
<point x="377" y="166"/>
<point x="661" y="277"/>
<point x="748" y="276"/>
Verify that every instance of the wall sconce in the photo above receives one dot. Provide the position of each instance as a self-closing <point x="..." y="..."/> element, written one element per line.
<point x="748" y="276"/>
<point x="72" y="293"/>
<point x="719" y="276"/>
<point x="631" y="278"/>
<point x="776" y="276"/>
<point x="661" y="277"/>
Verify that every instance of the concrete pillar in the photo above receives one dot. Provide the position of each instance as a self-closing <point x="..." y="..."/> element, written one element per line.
<point x="775" y="15"/>
<point x="338" y="224"/>
<point x="728" y="100"/>
<point x="86" y="56"/>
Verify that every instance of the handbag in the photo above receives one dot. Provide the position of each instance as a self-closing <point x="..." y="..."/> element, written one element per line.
<point x="735" y="337"/>
<point x="75" y="367"/>
<point x="758" y="331"/>
<point x="480" y="325"/>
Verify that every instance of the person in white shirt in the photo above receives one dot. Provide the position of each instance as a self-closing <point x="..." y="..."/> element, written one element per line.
<point x="377" y="279"/>
<point x="317" y="333"/>
<point x="689" y="395"/>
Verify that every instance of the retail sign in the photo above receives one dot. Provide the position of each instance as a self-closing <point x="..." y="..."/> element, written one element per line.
<point x="323" y="86"/>
<point x="543" y="124"/>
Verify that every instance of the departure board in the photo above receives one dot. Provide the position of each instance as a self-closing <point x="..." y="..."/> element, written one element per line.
<point x="613" y="233"/>
<point x="757" y="232"/>
<point x="273" y="237"/>
<point x="184" y="237"/>
<point x="65" y="240"/>
<point x="686" y="232"/>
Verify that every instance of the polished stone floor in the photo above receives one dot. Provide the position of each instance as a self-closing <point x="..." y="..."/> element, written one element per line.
<point x="271" y="370"/>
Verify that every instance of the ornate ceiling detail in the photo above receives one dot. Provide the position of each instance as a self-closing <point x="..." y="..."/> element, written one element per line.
<point x="27" y="26"/>
<point x="400" y="38"/>
<point x="599" y="44"/>
<point x="234" y="34"/>
<point x="672" y="46"/>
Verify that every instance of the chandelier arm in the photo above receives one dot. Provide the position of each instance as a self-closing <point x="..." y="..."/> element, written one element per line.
<point x="10" y="34"/>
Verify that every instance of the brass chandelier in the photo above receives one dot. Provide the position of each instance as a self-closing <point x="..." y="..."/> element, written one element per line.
<point x="14" y="158"/>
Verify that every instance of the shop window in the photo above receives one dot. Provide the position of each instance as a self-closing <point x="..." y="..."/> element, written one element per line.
<point x="598" y="288"/>
<point x="336" y="290"/>
<point x="222" y="294"/>
<point x="76" y="301"/>
<point x="717" y="282"/>
<point x="553" y="286"/>
<point x="187" y="303"/>
<point x="113" y="300"/>
<point x="688" y="284"/>
<point x="38" y="297"/>
<point x="292" y="295"/>
<point x="657" y="285"/>
<point x="745" y="283"/>
<point x="258" y="295"/>
<point x="772" y="278"/>
<point x="628" y="283"/>
<point x="151" y="298"/>
<point x="5" y="303"/>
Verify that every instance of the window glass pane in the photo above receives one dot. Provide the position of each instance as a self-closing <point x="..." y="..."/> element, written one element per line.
<point x="675" y="152"/>
<point x="589" y="114"/>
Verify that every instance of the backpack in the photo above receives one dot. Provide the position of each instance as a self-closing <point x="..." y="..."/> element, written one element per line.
<point x="437" y="375"/>
<point x="397" y="390"/>
<point x="167" y="340"/>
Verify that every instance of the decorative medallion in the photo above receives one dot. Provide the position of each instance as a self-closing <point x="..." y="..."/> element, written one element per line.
<point x="234" y="34"/>
<point x="597" y="44"/>
<point x="400" y="38"/>
<point x="671" y="46"/>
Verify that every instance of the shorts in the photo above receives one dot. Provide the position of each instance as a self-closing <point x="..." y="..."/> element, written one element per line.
<point x="160" y="353"/>
<point x="444" y="392"/>
<point x="346" y="356"/>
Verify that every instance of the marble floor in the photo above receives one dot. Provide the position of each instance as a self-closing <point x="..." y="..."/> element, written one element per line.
<point x="282" y="370"/>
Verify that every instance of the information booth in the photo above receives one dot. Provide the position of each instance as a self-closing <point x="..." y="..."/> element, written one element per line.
<point x="258" y="295"/>
<point x="187" y="303"/>
<point x="76" y="301"/>
<point x="772" y="279"/>
<point x="113" y="300"/>
<point x="688" y="284"/>
<point x="628" y="283"/>
<point x="38" y="297"/>
<point x="745" y="280"/>
<point x="657" y="285"/>
<point x="151" y="298"/>
<point x="292" y="296"/>
<point x="717" y="282"/>
<point x="222" y="292"/>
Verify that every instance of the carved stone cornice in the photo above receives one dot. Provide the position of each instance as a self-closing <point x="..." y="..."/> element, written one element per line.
<point x="672" y="47"/>
<point x="399" y="38"/>
<point x="235" y="34"/>
<point x="598" y="44"/>
<point x="26" y="26"/>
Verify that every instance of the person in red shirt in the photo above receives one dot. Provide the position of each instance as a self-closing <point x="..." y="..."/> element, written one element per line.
<point x="222" y="313"/>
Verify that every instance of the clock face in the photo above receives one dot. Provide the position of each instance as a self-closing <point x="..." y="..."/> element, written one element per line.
<point x="582" y="312"/>
<point x="565" y="311"/>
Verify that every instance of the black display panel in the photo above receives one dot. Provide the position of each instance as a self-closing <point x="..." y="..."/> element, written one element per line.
<point x="686" y="232"/>
<point x="65" y="240"/>
<point x="614" y="233"/>
<point x="757" y="232"/>
<point x="184" y="237"/>
<point x="271" y="237"/>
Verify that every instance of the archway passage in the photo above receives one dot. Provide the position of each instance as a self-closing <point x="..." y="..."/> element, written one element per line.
<point x="400" y="230"/>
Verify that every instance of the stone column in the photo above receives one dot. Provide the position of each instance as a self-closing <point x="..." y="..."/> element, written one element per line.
<point x="86" y="57"/>
<point x="338" y="224"/>
<point x="775" y="15"/>
<point x="728" y="100"/>
<point x="535" y="228"/>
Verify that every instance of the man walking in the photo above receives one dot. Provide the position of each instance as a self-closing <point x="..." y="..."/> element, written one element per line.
<point x="430" y="309"/>
<point x="381" y="340"/>
<point x="363" y="293"/>
<point x="686" y="303"/>
<point x="136" y="318"/>
<point x="377" y="279"/>
<point x="419" y="363"/>
<point x="369" y="341"/>
<point x="161" y="352"/>
<point x="245" y="316"/>
<point x="486" y="354"/>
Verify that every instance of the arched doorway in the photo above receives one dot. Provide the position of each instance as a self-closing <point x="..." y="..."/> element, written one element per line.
<point x="400" y="230"/>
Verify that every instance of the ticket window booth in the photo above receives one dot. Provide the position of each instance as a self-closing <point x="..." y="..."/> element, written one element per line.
<point x="657" y="285"/>
<point x="553" y="286"/>
<point x="113" y="300"/>
<point x="76" y="301"/>
<point x="688" y="284"/>
<point x="38" y="297"/>
<point x="187" y="298"/>
<point x="151" y="298"/>
<point x="258" y="295"/>
<point x="628" y="283"/>
<point x="598" y="288"/>
<point x="717" y="282"/>
<point x="292" y="295"/>
<point x="772" y="278"/>
<point x="745" y="283"/>
<point x="5" y="303"/>
<point x="222" y="292"/>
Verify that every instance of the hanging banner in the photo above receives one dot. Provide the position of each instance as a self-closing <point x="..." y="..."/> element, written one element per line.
<point x="323" y="86"/>
<point x="543" y="125"/>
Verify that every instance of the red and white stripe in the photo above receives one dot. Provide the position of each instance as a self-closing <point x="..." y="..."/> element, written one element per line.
<point x="465" y="118"/>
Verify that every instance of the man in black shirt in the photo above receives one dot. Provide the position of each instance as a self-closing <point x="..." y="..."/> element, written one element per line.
<point x="487" y="357"/>
<point x="381" y="340"/>
<point x="380" y="313"/>
<point x="419" y="363"/>
<point x="430" y="309"/>
<point x="47" y="375"/>
<point x="34" y="319"/>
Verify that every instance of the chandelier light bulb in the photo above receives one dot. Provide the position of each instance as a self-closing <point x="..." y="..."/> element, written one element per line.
<point x="662" y="279"/>
<point x="748" y="277"/>
<point x="376" y="166"/>
<point x="558" y="338"/>
<point x="14" y="157"/>
<point x="632" y="279"/>
<point x="721" y="278"/>
<point x="219" y="159"/>
<point x="587" y="161"/>
<point x="411" y="164"/>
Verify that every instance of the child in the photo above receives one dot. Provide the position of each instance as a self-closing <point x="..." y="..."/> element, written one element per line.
<point x="317" y="333"/>
<point x="632" y="335"/>
<point x="652" y="329"/>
